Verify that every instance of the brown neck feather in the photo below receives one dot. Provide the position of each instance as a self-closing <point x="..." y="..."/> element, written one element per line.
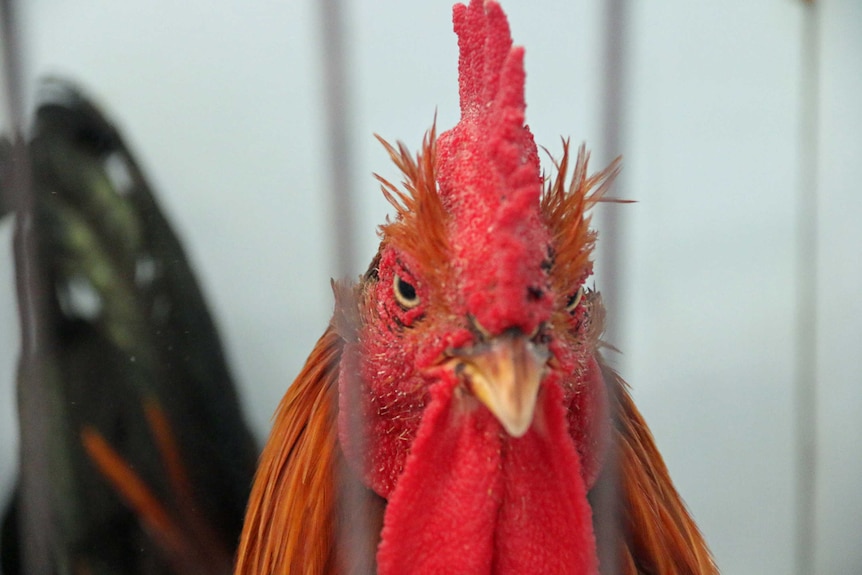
<point x="293" y="516"/>
<point x="641" y="523"/>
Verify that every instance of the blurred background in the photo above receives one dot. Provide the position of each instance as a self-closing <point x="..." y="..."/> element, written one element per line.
<point x="739" y="123"/>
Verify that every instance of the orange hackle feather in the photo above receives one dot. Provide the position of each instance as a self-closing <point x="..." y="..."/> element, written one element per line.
<point x="565" y="205"/>
<point x="657" y="535"/>
<point x="420" y="224"/>
<point x="296" y="506"/>
<point x="290" y="523"/>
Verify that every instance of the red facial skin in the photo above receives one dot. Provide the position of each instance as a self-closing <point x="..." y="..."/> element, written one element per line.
<point x="461" y="493"/>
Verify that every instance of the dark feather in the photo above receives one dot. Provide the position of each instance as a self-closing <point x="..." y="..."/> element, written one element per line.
<point x="125" y="325"/>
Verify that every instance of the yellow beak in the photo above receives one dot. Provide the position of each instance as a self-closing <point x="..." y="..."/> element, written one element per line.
<point x="504" y="374"/>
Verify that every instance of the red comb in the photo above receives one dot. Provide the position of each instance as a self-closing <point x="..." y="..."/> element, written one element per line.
<point x="491" y="135"/>
<point x="489" y="176"/>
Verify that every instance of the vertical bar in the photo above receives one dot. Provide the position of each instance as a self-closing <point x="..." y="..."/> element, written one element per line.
<point x="616" y="30"/>
<point x="35" y="520"/>
<point x="354" y="529"/>
<point x="336" y="87"/>
<point x="806" y="302"/>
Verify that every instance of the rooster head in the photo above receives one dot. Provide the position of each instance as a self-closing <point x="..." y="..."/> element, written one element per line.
<point x="471" y="398"/>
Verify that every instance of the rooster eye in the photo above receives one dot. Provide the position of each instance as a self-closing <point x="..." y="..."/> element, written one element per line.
<point x="405" y="293"/>
<point x="575" y="299"/>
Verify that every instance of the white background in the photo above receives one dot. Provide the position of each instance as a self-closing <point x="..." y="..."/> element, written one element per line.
<point x="222" y="101"/>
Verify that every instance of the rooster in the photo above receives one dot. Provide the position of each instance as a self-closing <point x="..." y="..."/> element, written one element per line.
<point x="457" y="415"/>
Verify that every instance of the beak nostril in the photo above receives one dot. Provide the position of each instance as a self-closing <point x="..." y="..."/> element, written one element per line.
<point x="534" y="293"/>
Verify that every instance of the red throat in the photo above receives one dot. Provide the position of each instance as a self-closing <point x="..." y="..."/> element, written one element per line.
<point x="473" y="500"/>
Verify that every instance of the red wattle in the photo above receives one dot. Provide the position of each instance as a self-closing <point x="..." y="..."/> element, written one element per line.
<point x="473" y="500"/>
